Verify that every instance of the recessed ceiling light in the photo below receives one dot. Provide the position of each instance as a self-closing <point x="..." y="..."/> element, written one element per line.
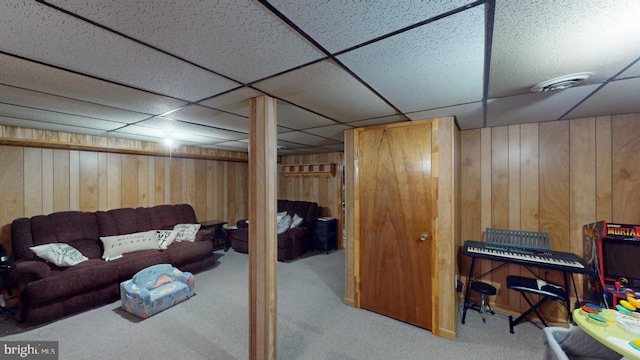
<point x="562" y="82"/>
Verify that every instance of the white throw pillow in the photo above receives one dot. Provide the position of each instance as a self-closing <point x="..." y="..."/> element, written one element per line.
<point x="60" y="254"/>
<point x="186" y="232"/>
<point x="283" y="224"/>
<point x="280" y="215"/>
<point x="297" y="220"/>
<point x="165" y="238"/>
<point x="122" y="244"/>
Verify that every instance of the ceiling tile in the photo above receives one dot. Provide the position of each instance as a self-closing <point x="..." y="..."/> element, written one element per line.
<point x="158" y="134"/>
<point x="468" y="116"/>
<point x="335" y="132"/>
<point x="289" y="145"/>
<point x="534" y="41"/>
<point x="239" y="39"/>
<point x="378" y="121"/>
<point x="179" y="136"/>
<point x="434" y="65"/>
<point x="293" y="117"/>
<point x="339" y="147"/>
<point x="236" y="101"/>
<point x="40" y="125"/>
<point x="612" y="99"/>
<point x="305" y="139"/>
<point x="285" y="145"/>
<point x="65" y="106"/>
<point x="213" y="118"/>
<point x="632" y="71"/>
<point x="327" y="89"/>
<point x="44" y="34"/>
<point x="33" y="76"/>
<point x="183" y="130"/>
<point x="534" y="107"/>
<point x="338" y="25"/>
<point x="44" y="116"/>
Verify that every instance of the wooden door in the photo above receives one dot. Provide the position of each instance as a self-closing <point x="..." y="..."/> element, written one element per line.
<point x="395" y="192"/>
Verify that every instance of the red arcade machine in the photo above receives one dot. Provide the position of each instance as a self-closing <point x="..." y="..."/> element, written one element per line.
<point x="613" y="253"/>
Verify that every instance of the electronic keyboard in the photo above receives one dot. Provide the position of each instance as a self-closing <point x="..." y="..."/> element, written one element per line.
<point x="539" y="257"/>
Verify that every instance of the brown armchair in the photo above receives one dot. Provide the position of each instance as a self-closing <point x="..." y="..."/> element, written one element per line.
<point x="293" y="242"/>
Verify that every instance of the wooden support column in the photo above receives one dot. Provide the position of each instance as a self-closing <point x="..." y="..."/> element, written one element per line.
<point x="263" y="178"/>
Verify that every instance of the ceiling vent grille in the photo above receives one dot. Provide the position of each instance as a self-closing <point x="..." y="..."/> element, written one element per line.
<point x="562" y="82"/>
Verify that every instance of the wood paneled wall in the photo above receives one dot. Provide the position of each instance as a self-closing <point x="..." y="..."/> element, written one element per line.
<point x="326" y="191"/>
<point x="552" y="177"/>
<point x="36" y="181"/>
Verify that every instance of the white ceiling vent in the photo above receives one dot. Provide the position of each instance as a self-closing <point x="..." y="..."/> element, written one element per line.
<point x="562" y="82"/>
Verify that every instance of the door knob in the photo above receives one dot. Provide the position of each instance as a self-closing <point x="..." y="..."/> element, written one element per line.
<point x="424" y="236"/>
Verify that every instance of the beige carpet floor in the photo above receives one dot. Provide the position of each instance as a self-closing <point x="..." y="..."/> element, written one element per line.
<point x="313" y="323"/>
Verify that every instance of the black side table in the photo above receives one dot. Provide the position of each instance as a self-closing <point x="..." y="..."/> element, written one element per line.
<point x="324" y="234"/>
<point x="219" y="237"/>
<point x="4" y="270"/>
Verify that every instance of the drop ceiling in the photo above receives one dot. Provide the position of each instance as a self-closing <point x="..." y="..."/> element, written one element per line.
<point x="149" y="69"/>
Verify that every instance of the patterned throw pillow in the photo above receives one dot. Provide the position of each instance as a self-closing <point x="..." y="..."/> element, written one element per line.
<point x="186" y="232"/>
<point x="165" y="238"/>
<point x="121" y="244"/>
<point x="60" y="254"/>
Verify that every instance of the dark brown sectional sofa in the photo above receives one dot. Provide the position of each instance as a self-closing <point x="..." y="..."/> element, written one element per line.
<point x="292" y="243"/>
<point x="48" y="292"/>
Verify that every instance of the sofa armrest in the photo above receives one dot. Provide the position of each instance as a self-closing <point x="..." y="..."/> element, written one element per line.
<point x="185" y="278"/>
<point x="242" y="224"/>
<point x="28" y="271"/>
<point x="204" y="234"/>
<point x="133" y="291"/>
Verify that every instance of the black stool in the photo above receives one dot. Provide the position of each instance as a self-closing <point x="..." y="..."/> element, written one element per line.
<point x="485" y="290"/>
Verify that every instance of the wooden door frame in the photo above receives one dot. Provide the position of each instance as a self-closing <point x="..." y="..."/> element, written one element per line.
<point x="444" y="220"/>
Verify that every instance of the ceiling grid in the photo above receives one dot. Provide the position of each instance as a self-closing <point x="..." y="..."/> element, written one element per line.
<point x="149" y="69"/>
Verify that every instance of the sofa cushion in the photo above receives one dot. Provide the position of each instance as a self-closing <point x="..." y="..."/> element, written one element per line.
<point x="59" y="254"/>
<point x="129" y="264"/>
<point x="88" y="275"/>
<point x="122" y="221"/>
<point x="187" y="252"/>
<point x="162" y="217"/>
<point x="126" y="243"/>
<point x="282" y="204"/>
<point x="64" y="227"/>
<point x="166" y="216"/>
<point x="90" y="248"/>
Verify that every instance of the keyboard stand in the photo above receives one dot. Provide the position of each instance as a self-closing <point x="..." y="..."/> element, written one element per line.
<point x="470" y="279"/>
<point x="548" y="291"/>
